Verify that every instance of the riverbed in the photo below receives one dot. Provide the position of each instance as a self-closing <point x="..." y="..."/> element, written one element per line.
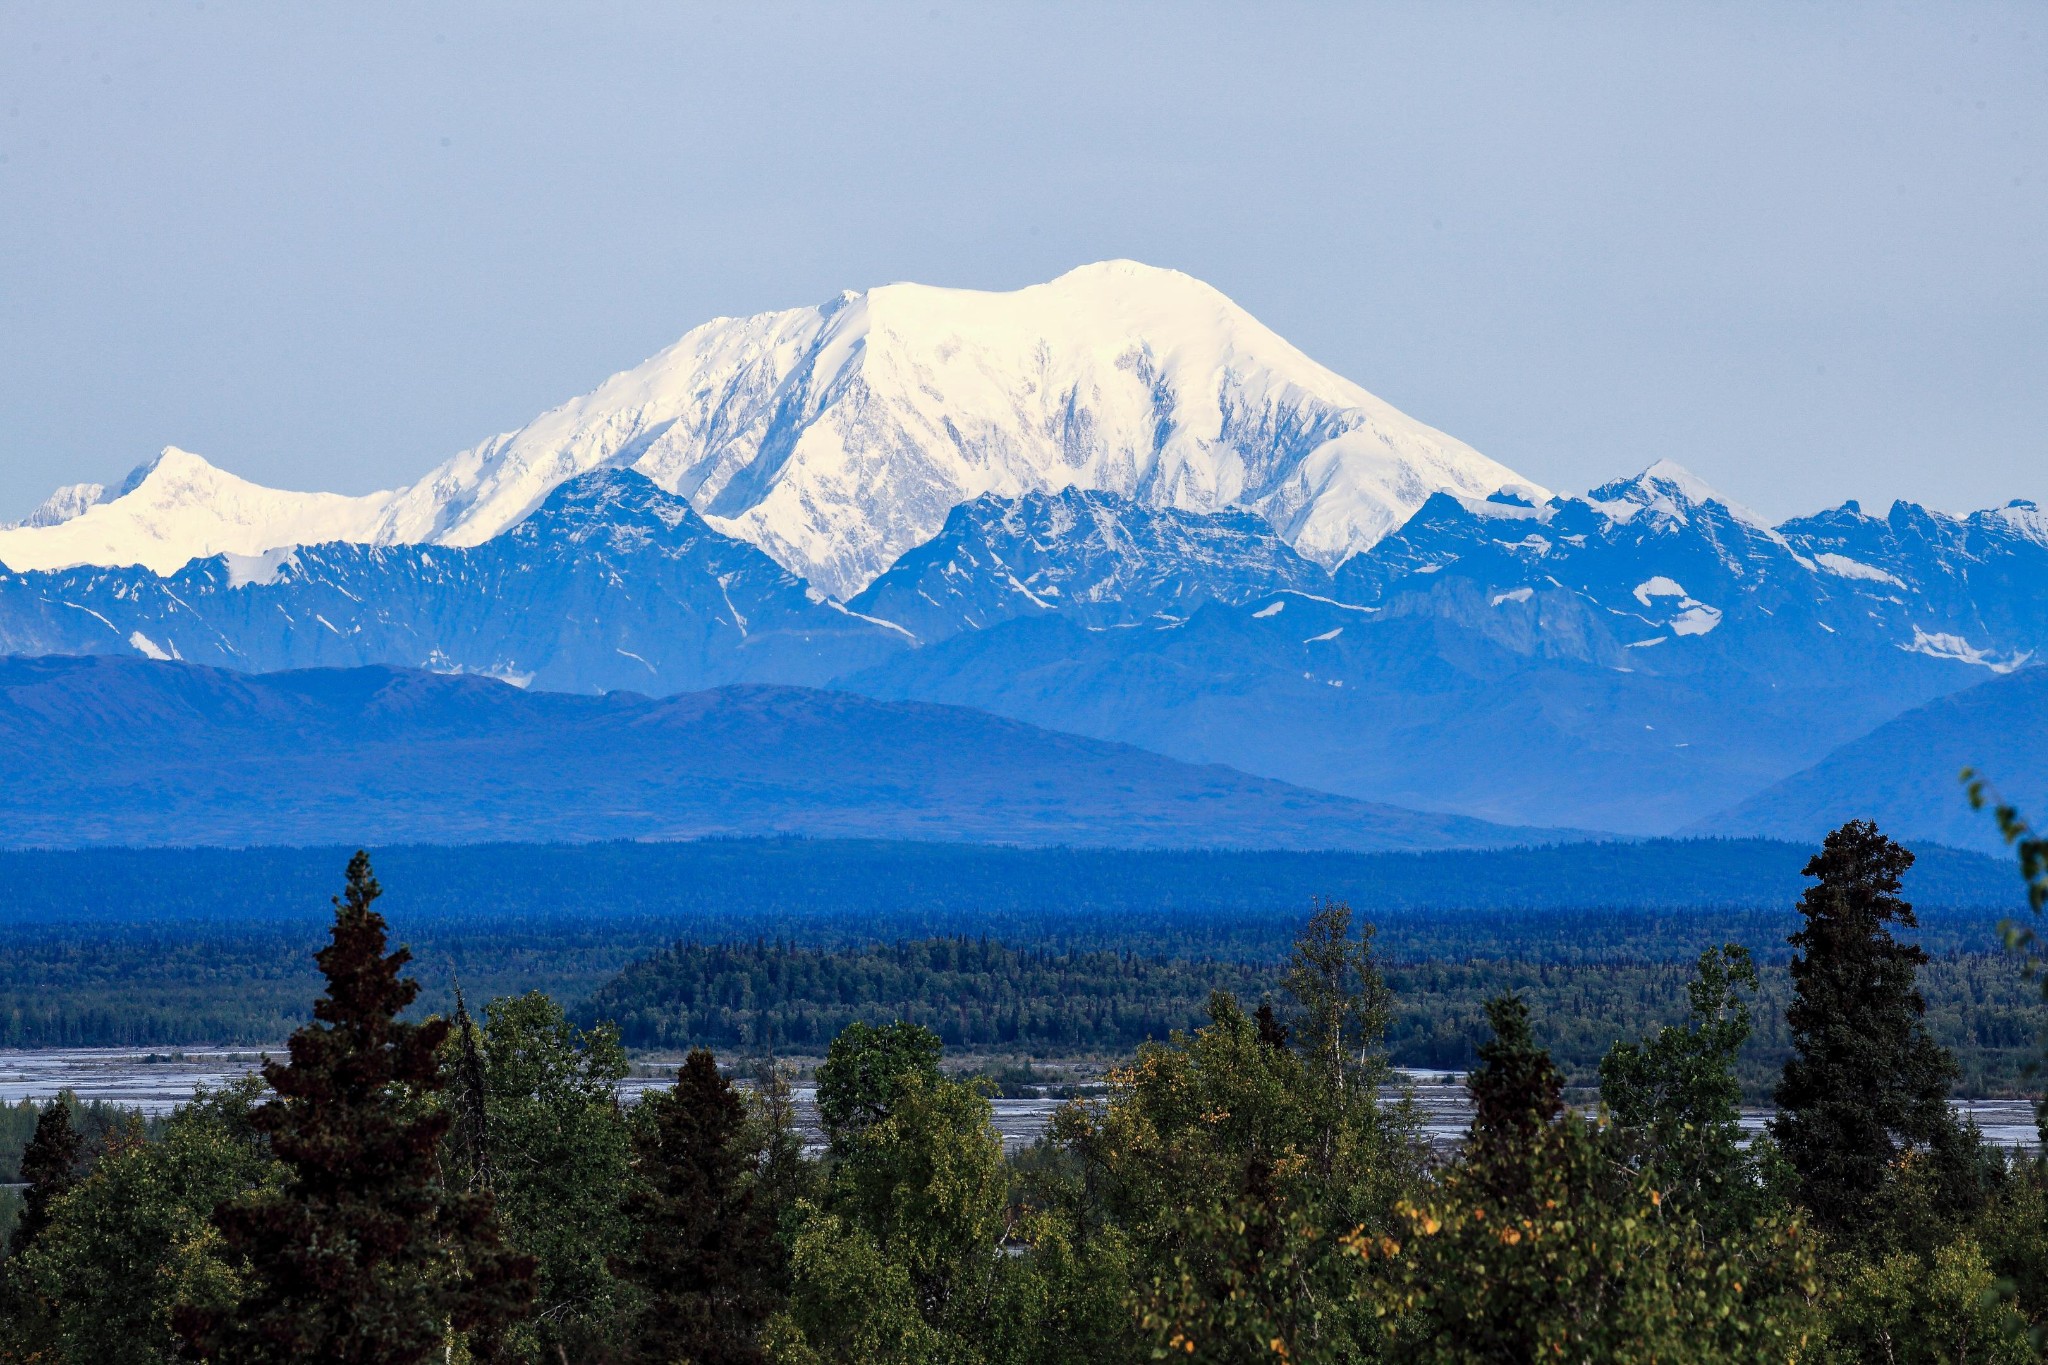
<point x="156" y="1082"/>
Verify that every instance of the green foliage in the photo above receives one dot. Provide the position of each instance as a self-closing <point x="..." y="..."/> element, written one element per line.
<point x="359" y="1254"/>
<point x="925" y="1179"/>
<point x="1536" y="1244"/>
<point x="1677" y="1105"/>
<point x="132" y="1242"/>
<point x="912" y="1229"/>
<point x="867" y="1070"/>
<point x="2031" y="847"/>
<point x="1238" y="1164"/>
<point x="701" y="1249"/>
<point x="854" y="1305"/>
<point x="1579" y="1262"/>
<point x="1907" y="1308"/>
<point x="558" y="1152"/>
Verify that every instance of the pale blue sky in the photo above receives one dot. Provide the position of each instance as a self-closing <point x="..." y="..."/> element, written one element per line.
<point x="1798" y="247"/>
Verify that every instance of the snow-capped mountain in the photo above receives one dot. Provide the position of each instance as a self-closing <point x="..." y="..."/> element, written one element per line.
<point x="1971" y="588"/>
<point x="1632" y="659"/>
<point x="1098" y="557"/>
<point x="611" y="584"/>
<point x="1113" y="504"/>
<point x="1663" y="559"/>
<point x="177" y="508"/>
<point x="837" y="437"/>
<point x="72" y="500"/>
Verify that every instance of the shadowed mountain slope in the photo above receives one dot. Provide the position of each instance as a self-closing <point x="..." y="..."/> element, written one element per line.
<point x="105" y="750"/>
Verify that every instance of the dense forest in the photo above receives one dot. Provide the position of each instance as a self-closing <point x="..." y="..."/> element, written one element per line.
<point x="406" y="1187"/>
<point x="978" y="995"/>
<point x="1097" y="988"/>
<point x="722" y="888"/>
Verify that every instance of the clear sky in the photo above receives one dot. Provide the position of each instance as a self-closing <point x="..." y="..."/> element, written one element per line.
<point x="1797" y="247"/>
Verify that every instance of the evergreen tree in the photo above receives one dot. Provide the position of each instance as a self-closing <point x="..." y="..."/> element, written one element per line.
<point x="1866" y="1083"/>
<point x="703" y="1253"/>
<point x="470" y="1133"/>
<point x="49" y="1164"/>
<point x="1517" y="1092"/>
<point x="361" y="1255"/>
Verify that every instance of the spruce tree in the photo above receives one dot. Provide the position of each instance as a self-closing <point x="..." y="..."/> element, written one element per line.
<point x="363" y="1255"/>
<point x="1866" y="1082"/>
<point x="50" y="1165"/>
<point x="1517" y="1093"/>
<point x="703" y="1250"/>
<point x="469" y="1137"/>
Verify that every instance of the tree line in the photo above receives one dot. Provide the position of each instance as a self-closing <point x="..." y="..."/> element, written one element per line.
<point x="462" y="1190"/>
<point x="983" y="996"/>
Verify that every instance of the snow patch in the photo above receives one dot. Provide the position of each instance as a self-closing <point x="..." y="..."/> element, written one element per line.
<point x="1696" y="619"/>
<point x="1273" y="609"/>
<point x="1514" y="595"/>
<point x="1326" y="635"/>
<point x="845" y="610"/>
<point x="1841" y="566"/>
<point x="147" y="647"/>
<point x="1659" y="586"/>
<point x="263" y="569"/>
<point x="1941" y="645"/>
<point x="2025" y="519"/>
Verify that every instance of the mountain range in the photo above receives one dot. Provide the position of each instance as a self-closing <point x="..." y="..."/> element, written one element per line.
<point x="125" y="751"/>
<point x="1117" y="506"/>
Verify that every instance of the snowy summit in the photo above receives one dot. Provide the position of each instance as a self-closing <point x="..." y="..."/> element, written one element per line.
<point x="837" y="437"/>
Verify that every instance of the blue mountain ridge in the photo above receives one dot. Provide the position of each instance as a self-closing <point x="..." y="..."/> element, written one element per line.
<point x="1635" y="659"/>
<point x="612" y="583"/>
<point x="1905" y="774"/>
<point x="1631" y="660"/>
<point x="1094" y="557"/>
<point x="125" y="751"/>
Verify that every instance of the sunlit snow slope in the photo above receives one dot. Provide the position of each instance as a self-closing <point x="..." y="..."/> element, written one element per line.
<point x="178" y="508"/>
<point x="837" y="437"/>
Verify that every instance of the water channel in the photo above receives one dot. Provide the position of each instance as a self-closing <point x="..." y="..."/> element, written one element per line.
<point x="158" y="1082"/>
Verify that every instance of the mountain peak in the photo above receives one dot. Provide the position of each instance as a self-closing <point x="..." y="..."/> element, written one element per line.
<point x="178" y="507"/>
<point x="72" y="500"/>
<point x="837" y="437"/>
<point x="171" y="463"/>
<point x="1670" y="489"/>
